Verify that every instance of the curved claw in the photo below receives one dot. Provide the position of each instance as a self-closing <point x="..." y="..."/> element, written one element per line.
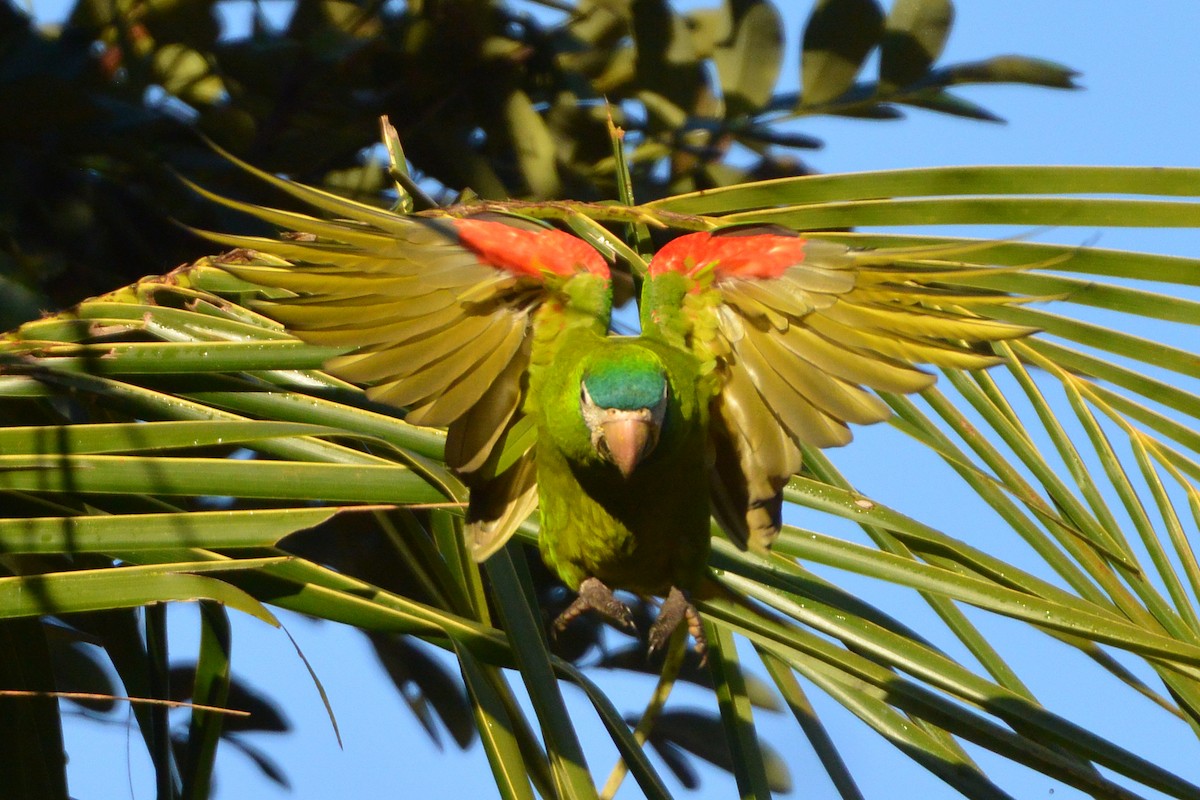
<point x="675" y="609"/>
<point x="595" y="596"/>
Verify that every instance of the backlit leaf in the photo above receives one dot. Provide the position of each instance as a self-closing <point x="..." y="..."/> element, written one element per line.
<point x="914" y="35"/>
<point x="837" y="39"/>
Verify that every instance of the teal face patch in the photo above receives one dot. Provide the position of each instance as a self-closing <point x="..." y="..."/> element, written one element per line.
<point x="627" y="380"/>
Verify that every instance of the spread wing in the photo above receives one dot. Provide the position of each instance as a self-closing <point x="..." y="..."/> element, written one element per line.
<point x="440" y="314"/>
<point x="792" y="330"/>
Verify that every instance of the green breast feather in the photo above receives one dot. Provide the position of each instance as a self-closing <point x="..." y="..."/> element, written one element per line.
<point x="645" y="533"/>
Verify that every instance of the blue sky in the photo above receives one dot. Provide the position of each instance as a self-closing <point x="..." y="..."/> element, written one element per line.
<point x="1140" y="73"/>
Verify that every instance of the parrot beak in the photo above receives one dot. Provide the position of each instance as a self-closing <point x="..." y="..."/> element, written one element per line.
<point x="629" y="437"/>
<point x="623" y="437"/>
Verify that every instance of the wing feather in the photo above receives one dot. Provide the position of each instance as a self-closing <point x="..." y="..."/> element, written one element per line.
<point x="927" y="323"/>
<point x="854" y="364"/>
<point x="422" y="344"/>
<point x="897" y="346"/>
<point x="753" y="458"/>
<point x="329" y="314"/>
<point x="844" y="402"/>
<point x="471" y="385"/>
<point x="792" y="405"/>
<point x="796" y="332"/>
<point x="470" y="440"/>
<point x="763" y="446"/>
<point x="499" y="505"/>
<point x="440" y="317"/>
<point x="377" y="334"/>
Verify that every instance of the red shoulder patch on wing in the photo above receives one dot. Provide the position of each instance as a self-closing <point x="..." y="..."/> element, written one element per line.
<point x="763" y="255"/>
<point x="531" y="253"/>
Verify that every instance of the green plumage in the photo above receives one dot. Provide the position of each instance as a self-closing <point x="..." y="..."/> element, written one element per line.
<point x="755" y="343"/>
<point x="646" y="534"/>
<point x="630" y="379"/>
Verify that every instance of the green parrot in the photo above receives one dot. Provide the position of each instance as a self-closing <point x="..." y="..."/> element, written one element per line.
<point x="754" y="342"/>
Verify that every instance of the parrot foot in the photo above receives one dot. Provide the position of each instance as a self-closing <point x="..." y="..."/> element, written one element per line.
<point x="675" y="609"/>
<point x="595" y="596"/>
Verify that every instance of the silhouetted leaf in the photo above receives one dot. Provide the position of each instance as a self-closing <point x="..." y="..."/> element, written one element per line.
<point x="633" y="658"/>
<point x="837" y="39"/>
<point x="211" y="686"/>
<point x="676" y="761"/>
<point x="475" y="96"/>
<point x="79" y="667"/>
<point x="763" y="133"/>
<point x="424" y="683"/>
<point x="190" y="22"/>
<point x="914" y="35"/>
<point x="1012" y="69"/>
<point x="709" y="27"/>
<point x="534" y="146"/>
<point x="120" y="634"/>
<point x="187" y="74"/>
<point x="702" y="735"/>
<point x="948" y="103"/>
<point x="748" y="61"/>
<point x="666" y="59"/>
<point x="265" y="715"/>
<point x="31" y="747"/>
<point x="261" y="760"/>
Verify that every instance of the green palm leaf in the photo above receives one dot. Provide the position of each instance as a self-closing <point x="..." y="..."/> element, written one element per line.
<point x="130" y="419"/>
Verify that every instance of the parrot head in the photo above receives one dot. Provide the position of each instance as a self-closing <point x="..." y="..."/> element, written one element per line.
<point x="623" y="397"/>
